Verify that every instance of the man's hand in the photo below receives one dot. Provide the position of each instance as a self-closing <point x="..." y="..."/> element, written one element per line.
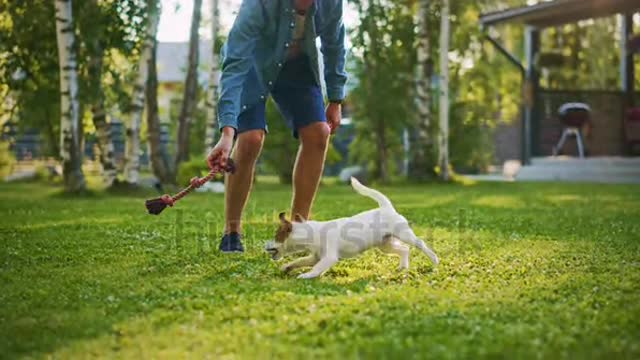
<point x="219" y="155"/>
<point x="334" y="116"/>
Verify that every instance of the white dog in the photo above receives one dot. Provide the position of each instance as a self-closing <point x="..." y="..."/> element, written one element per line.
<point x="330" y="241"/>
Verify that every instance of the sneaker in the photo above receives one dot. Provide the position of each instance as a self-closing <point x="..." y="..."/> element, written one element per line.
<point x="231" y="243"/>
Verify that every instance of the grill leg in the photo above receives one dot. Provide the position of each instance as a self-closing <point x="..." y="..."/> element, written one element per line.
<point x="579" y="141"/>
<point x="560" y="144"/>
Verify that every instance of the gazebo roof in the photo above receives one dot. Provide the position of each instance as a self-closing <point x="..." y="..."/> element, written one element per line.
<point x="559" y="12"/>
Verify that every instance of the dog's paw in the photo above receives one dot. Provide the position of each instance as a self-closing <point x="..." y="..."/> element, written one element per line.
<point x="286" y="268"/>
<point x="308" y="275"/>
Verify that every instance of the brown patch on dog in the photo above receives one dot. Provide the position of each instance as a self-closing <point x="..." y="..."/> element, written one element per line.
<point x="298" y="218"/>
<point x="284" y="229"/>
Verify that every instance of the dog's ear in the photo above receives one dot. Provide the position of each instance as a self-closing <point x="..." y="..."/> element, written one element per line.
<point x="298" y="218"/>
<point x="284" y="230"/>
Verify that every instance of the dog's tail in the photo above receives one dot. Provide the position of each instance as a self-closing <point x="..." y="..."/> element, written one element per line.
<point x="376" y="195"/>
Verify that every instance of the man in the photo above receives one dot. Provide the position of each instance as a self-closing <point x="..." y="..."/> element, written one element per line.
<point x="271" y="50"/>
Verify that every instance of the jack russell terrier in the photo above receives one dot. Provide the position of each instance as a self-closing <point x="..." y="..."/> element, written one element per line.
<point x="329" y="241"/>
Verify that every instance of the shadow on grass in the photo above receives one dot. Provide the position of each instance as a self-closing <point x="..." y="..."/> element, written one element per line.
<point x="61" y="291"/>
<point x="402" y="316"/>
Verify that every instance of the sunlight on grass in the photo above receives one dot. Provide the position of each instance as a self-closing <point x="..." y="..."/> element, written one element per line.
<point x="78" y="221"/>
<point x="563" y="198"/>
<point x="519" y="275"/>
<point x="499" y="202"/>
<point x="428" y="201"/>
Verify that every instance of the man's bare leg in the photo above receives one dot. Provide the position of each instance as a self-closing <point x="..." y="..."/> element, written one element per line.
<point x="314" y="140"/>
<point x="238" y="185"/>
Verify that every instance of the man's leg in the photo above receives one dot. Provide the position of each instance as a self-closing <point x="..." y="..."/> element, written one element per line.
<point x="245" y="154"/>
<point x="314" y="139"/>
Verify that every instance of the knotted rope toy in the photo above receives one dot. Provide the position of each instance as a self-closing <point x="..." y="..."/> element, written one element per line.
<point x="155" y="206"/>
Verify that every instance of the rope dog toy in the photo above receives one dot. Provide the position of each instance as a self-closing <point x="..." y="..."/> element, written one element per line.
<point x="155" y="206"/>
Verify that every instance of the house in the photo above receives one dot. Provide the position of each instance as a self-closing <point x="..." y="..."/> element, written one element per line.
<point x="172" y="63"/>
<point x="536" y="138"/>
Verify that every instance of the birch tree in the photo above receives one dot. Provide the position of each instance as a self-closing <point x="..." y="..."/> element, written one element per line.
<point x="214" y="78"/>
<point x="99" y="115"/>
<point x="421" y="166"/>
<point x="96" y="57"/>
<point x="443" y="143"/>
<point x="70" y="144"/>
<point x="132" y="152"/>
<point x="190" y="96"/>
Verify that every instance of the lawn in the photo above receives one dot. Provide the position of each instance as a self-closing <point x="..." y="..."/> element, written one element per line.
<point x="527" y="271"/>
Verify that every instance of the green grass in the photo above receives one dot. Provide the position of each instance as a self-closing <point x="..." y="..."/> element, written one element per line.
<point x="527" y="271"/>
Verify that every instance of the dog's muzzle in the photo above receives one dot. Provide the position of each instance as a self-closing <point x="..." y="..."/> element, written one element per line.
<point x="272" y="250"/>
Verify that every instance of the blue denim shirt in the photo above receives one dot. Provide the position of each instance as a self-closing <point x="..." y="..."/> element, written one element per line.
<point x="256" y="50"/>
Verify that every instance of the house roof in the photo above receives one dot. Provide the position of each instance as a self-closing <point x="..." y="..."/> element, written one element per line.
<point x="172" y="60"/>
<point x="559" y="12"/>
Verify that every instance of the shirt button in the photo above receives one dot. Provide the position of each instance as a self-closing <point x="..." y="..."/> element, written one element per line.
<point x="292" y="24"/>
<point x="286" y="44"/>
<point x="279" y="64"/>
<point x="261" y="97"/>
<point x="244" y="107"/>
<point x="270" y="83"/>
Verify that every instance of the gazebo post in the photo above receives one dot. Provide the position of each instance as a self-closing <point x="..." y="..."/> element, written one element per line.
<point x="627" y="71"/>
<point x="532" y="47"/>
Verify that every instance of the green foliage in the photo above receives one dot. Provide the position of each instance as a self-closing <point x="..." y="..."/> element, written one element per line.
<point x="590" y="53"/>
<point x="29" y="65"/>
<point x="111" y="30"/>
<point x="384" y="60"/>
<point x="280" y="147"/>
<point x="45" y="175"/>
<point x="198" y="126"/>
<point x="6" y="159"/>
<point x="333" y="156"/>
<point x="470" y="139"/>
<point x="485" y="87"/>
<point x="527" y="271"/>
<point x="196" y="167"/>
<point x="29" y="57"/>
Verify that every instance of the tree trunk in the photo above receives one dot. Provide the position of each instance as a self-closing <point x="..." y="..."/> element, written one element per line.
<point x="382" y="169"/>
<point x="383" y="156"/>
<point x="160" y="163"/>
<point x="132" y="152"/>
<point x="70" y="144"/>
<point x="190" y="97"/>
<point x="422" y="166"/>
<point x="52" y="137"/>
<point x="443" y="153"/>
<point x="214" y="78"/>
<point x="99" y="116"/>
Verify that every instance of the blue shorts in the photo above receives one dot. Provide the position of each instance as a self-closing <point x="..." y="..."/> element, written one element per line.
<point x="297" y="95"/>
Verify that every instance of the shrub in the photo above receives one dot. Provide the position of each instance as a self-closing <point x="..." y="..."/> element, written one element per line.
<point x="6" y="159"/>
<point x="187" y="170"/>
